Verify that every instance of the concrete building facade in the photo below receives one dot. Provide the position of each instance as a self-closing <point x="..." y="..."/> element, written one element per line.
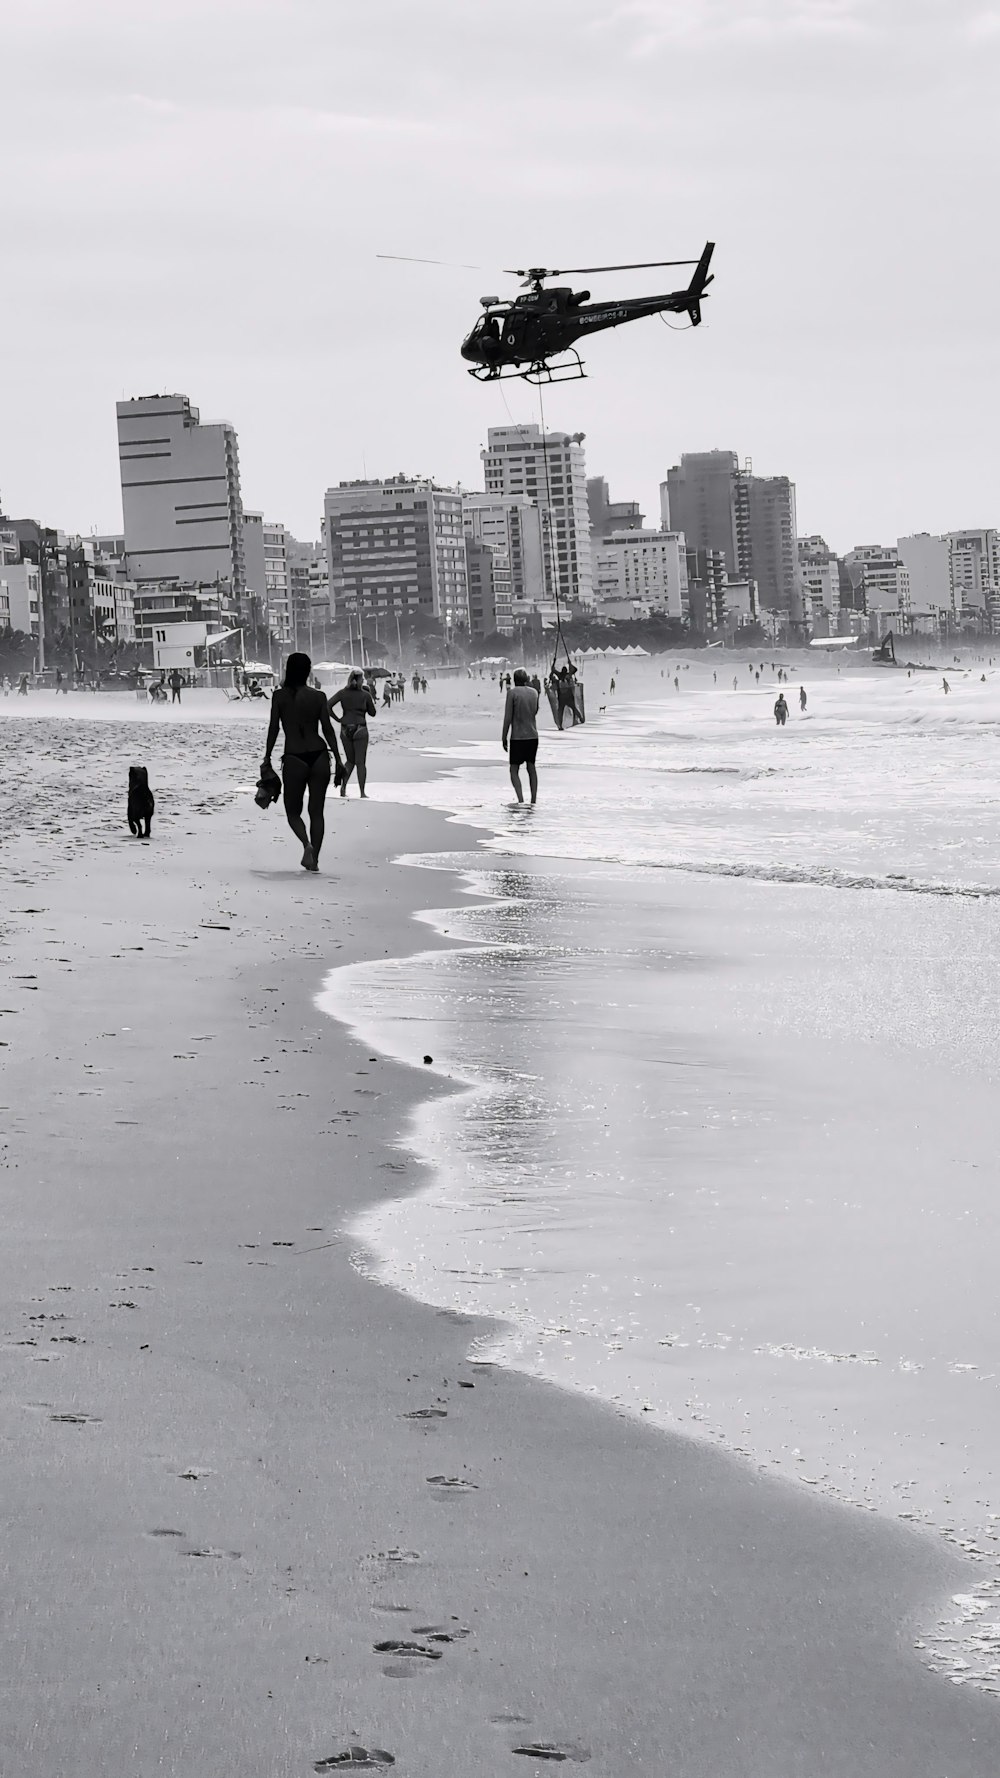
<point x="607" y="515"/>
<point x="23" y="582"/>
<point x="550" y="472"/>
<point x="397" y="547"/>
<point x="516" y="530"/>
<point x="183" y="515"/>
<point x="277" y="587"/>
<point x="479" y="563"/>
<point x="974" y="558"/>
<point x="749" y="518"/>
<point x="928" y="562"/>
<point x="819" y="575"/>
<point x="882" y="580"/>
<point x="771" y="531"/>
<point x="705" y="497"/>
<point x="647" y="566"/>
<point x="101" y="597"/>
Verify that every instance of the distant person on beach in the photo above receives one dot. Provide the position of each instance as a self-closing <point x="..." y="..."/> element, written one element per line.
<point x="780" y="710"/>
<point x="945" y="685"/>
<point x="520" y="728"/>
<point x="803" y="700"/>
<point x="302" y="712"/>
<point x="175" y="682"/>
<point x="22" y="686"/>
<point x="356" y="705"/>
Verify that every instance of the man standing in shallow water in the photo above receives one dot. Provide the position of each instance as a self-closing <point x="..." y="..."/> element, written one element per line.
<point x="520" y="725"/>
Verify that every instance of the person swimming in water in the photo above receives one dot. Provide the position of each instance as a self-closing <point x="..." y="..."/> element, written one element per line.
<point x="305" y="767"/>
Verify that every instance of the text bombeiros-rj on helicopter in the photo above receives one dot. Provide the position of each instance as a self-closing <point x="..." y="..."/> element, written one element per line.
<point x="519" y="337"/>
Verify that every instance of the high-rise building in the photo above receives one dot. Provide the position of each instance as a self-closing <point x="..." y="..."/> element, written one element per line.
<point x="254" y="597"/>
<point x="516" y="530"/>
<point x="607" y="515"/>
<point x="975" y="573"/>
<point x="750" y="518"/>
<point x="308" y="592"/>
<point x="180" y="494"/>
<point x="773" y="558"/>
<point x="479" y="561"/>
<point x="648" y="568"/>
<point x="277" y="591"/>
<point x="819" y="576"/>
<point x="552" y="473"/>
<point x="929" y="564"/>
<point x="705" y="497"/>
<point x="397" y="547"/>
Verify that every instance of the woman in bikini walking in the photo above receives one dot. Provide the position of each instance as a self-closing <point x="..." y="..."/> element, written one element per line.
<point x="302" y="713"/>
<point x="356" y="705"/>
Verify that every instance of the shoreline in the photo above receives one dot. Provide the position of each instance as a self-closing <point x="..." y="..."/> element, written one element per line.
<point x="627" y="1593"/>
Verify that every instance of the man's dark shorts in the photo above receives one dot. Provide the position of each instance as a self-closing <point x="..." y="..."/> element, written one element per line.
<point x="523" y="753"/>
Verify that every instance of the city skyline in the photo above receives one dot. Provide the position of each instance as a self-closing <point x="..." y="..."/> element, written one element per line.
<point x="832" y="349"/>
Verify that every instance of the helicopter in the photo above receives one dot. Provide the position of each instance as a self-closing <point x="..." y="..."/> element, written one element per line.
<point x="518" y="337"/>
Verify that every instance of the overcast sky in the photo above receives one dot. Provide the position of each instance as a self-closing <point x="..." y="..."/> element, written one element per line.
<point x="194" y="193"/>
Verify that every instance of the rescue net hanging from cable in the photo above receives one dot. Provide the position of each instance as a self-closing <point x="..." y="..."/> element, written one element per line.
<point x="564" y="691"/>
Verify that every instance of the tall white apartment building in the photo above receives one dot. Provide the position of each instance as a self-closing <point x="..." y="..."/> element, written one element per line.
<point x="646" y="567"/>
<point x="180" y="493"/>
<point x="516" y="531"/>
<point x="277" y="586"/>
<point x="819" y="575"/>
<point x="397" y="547"/>
<point x="975" y="571"/>
<point x="550" y="471"/>
<point x="254" y="580"/>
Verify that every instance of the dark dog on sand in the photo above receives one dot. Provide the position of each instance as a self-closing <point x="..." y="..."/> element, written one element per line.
<point x="141" y="801"/>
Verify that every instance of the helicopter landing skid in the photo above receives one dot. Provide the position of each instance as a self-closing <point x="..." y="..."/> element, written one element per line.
<point x="568" y="371"/>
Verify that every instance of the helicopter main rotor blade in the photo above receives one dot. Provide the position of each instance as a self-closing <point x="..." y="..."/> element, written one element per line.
<point x="642" y="265"/>
<point x="410" y="260"/>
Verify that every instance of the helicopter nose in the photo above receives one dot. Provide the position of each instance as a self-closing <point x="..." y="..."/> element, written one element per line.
<point x="469" y="349"/>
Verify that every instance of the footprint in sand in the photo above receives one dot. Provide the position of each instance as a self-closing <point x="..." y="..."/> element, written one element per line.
<point x="426" y="1414"/>
<point x="553" y="1750"/>
<point x="76" y="1419"/>
<point x="446" y="1485"/>
<point x="370" y="1757"/>
<point x="165" y="1531"/>
<point x="441" y="1632"/>
<point x="415" y="1651"/>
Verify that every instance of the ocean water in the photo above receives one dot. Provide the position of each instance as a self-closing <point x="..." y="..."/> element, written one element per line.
<point x="723" y="1022"/>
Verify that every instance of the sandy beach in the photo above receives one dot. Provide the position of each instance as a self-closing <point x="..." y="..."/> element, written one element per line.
<point x="261" y="1510"/>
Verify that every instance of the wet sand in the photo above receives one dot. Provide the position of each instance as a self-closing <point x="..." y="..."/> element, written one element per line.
<point x="233" y="1465"/>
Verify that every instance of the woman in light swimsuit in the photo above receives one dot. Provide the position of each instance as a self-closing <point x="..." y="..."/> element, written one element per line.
<point x="356" y="705"/>
<point x="302" y="712"/>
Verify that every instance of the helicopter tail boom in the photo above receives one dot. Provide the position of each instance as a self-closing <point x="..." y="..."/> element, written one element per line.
<point x="699" y="283"/>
